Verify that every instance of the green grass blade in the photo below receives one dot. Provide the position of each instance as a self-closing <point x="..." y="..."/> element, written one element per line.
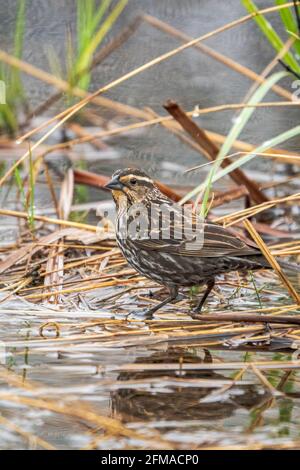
<point x="19" y="31"/>
<point x="84" y="15"/>
<point x="88" y="19"/>
<point x="105" y="4"/>
<point x="277" y="140"/>
<point x="92" y="27"/>
<point x="11" y="76"/>
<point x="31" y="220"/>
<point x="20" y="186"/>
<point x="28" y="204"/>
<point x="267" y="29"/>
<point x="8" y="119"/>
<point x="86" y="56"/>
<point x="15" y="82"/>
<point x="256" y="289"/>
<point x="54" y="61"/>
<point x="289" y="23"/>
<point x="235" y="131"/>
<point x="246" y="113"/>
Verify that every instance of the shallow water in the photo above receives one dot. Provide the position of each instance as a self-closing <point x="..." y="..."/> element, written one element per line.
<point x="164" y="381"/>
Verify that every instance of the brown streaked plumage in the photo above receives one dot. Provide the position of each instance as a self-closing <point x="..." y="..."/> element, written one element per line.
<point x="172" y="261"/>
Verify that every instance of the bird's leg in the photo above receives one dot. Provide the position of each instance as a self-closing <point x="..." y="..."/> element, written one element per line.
<point x="210" y="285"/>
<point x="156" y="294"/>
<point x="173" y="294"/>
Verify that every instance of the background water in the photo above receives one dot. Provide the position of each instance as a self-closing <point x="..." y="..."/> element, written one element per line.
<point x="87" y="371"/>
<point x="190" y="77"/>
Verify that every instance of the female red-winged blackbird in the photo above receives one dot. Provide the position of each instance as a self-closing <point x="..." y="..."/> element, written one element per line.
<point x="170" y="245"/>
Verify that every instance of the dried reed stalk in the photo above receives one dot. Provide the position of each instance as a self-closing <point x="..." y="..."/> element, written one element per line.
<point x="270" y="258"/>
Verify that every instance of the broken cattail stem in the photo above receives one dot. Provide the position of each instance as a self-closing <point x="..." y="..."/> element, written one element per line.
<point x="228" y="196"/>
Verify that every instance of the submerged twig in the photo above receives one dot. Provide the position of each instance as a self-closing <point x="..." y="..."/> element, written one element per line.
<point x="246" y="318"/>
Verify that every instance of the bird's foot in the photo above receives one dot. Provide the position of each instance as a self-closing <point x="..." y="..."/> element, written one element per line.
<point x="195" y="313"/>
<point x="268" y="329"/>
<point x="158" y="294"/>
<point x="144" y="314"/>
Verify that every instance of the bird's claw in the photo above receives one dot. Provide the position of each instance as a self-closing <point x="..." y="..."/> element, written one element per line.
<point x="144" y="314"/>
<point x="195" y="313"/>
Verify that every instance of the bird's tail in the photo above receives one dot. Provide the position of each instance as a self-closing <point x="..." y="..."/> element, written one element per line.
<point x="289" y="266"/>
<point x="293" y="267"/>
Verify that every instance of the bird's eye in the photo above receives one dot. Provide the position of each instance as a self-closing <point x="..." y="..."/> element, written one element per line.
<point x="133" y="181"/>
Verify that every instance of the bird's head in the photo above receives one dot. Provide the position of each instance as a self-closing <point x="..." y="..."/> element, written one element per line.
<point x="132" y="186"/>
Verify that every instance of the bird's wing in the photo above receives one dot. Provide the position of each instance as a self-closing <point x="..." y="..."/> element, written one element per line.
<point x="201" y="239"/>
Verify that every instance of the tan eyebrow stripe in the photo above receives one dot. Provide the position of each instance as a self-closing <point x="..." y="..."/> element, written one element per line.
<point x="139" y="178"/>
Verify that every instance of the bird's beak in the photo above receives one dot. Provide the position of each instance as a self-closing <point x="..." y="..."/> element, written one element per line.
<point x="114" y="184"/>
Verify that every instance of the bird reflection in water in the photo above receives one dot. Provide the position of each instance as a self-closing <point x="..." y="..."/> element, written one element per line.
<point x="175" y="401"/>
